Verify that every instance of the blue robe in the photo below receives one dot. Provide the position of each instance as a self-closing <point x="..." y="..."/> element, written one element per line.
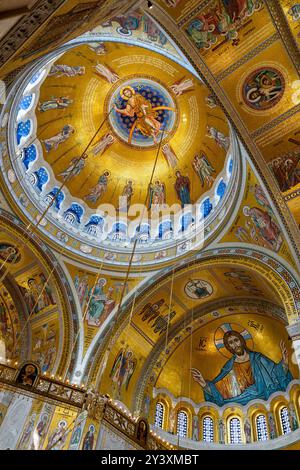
<point x="269" y="378"/>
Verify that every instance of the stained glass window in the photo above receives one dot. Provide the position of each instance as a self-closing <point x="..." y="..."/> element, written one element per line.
<point x="285" y="420"/>
<point x="182" y="423"/>
<point x="261" y="428"/>
<point x="159" y="415"/>
<point x="235" y="431"/>
<point x="208" y="429"/>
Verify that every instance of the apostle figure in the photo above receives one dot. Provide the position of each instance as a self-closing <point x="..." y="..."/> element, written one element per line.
<point x="204" y="169"/>
<point x="248" y="375"/>
<point x="100" y="188"/>
<point x="169" y="155"/>
<point x="182" y="188"/>
<point x="75" y="167"/>
<point x="98" y="303"/>
<point x="58" y="438"/>
<point x="64" y="134"/>
<point x="88" y="440"/>
<point x="66" y="71"/>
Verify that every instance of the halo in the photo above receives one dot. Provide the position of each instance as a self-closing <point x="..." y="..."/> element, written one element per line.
<point x="102" y="279"/>
<point x="106" y="171"/>
<point x="246" y="210"/>
<point x="221" y="330"/>
<point x="126" y="87"/>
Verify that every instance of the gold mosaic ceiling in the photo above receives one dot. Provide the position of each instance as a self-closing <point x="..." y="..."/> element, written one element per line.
<point x="124" y="152"/>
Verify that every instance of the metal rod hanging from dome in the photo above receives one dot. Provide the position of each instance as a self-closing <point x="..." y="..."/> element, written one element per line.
<point x="134" y="247"/>
<point x="35" y="226"/>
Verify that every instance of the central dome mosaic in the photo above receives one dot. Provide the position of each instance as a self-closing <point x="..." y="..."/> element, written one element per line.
<point x="114" y="125"/>
<point x="142" y="112"/>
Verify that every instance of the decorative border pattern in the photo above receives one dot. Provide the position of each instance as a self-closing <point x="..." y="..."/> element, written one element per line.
<point x="261" y="47"/>
<point x="270" y="125"/>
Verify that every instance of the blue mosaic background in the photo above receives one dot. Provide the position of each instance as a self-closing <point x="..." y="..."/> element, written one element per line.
<point x="157" y="96"/>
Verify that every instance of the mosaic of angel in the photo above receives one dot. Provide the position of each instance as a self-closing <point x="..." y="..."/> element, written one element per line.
<point x="100" y="188"/>
<point x="220" y="139"/>
<point x="157" y="194"/>
<point x="55" y="103"/>
<point x="75" y="167"/>
<point x="123" y="367"/>
<point x="204" y="169"/>
<point x="56" y="140"/>
<point x="62" y="70"/>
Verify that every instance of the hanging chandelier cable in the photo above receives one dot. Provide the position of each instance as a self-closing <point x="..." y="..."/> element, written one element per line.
<point x="131" y="259"/>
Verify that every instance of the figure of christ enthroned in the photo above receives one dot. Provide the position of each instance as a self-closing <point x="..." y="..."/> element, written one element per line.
<point x="141" y="108"/>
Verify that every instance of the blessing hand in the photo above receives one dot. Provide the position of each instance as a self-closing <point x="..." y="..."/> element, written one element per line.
<point x="284" y="352"/>
<point x="198" y="377"/>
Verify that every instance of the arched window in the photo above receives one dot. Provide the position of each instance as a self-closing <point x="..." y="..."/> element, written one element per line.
<point x="182" y="424"/>
<point x="285" y="420"/>
<point x="159" y="415"/>
<point x="235" y="431"/>
<point x="208" y="429"/>
<point x="261" y="428"/>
